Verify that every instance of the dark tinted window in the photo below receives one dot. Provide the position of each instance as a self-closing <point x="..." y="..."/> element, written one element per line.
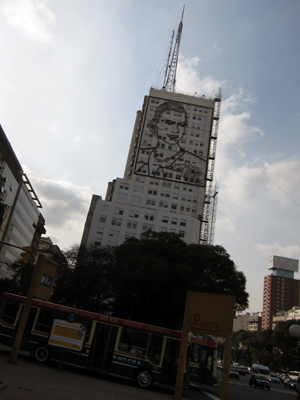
<point x="9" y="311"/>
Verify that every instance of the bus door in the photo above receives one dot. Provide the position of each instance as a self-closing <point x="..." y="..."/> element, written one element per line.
<point x="170" y="362"/>
<point x="205" y="365"/>
<point x="103" y="346"/>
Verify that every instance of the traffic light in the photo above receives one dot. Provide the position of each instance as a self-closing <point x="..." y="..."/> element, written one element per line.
<point x="24" y="256"/>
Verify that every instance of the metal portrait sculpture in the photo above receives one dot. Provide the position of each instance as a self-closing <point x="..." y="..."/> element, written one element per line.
<point x="169" y="159"/>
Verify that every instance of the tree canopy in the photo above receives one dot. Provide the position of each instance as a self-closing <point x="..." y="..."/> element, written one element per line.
<point x="145" y="279"/>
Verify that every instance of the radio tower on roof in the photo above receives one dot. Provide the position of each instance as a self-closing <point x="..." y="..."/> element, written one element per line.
<point x="170" y="74"/>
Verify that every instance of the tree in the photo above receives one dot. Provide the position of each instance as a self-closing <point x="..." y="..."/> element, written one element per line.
<point x="288" y="346"/>
<point x="144" y="279"/>
<point x="153" y="274"/>
<point x="86" y="282"/>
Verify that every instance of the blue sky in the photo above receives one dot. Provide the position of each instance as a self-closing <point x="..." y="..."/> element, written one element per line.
<point x="73" y="73"/>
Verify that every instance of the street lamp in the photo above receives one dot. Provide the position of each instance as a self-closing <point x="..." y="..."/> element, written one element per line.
<point x="294" y="330"/>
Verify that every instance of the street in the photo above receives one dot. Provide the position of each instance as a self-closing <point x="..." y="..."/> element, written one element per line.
<point x="31" y="381"/>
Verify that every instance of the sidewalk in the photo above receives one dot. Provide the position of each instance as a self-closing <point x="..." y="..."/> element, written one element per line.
<point x="30" y="381"/>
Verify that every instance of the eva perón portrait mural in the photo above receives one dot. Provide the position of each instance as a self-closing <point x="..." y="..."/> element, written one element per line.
<point x="168" y="158"/>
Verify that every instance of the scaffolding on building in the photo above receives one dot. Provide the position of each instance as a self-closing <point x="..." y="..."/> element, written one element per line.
<point x="211" y="194"/>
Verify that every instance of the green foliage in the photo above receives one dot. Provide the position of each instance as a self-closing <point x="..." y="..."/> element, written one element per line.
<point x="277" y="348"/>
<point x="154" y="273"/>
<point x="144" y="279"/>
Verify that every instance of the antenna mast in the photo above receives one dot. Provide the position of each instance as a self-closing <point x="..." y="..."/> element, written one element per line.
<point x="170" y="75"/>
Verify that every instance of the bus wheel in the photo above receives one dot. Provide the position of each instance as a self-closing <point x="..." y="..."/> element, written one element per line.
<point x="144" y="378"/>
<point x="41" y="354"/>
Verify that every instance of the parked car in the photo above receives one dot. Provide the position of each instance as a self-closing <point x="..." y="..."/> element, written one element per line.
<point x="241" y="370"/>
<point x="290" y="383"/>
<point x="233" y="373"/>
<point x="274" y="378"/>
<point x="258" y="380"/>
<point x="283" y="377"/>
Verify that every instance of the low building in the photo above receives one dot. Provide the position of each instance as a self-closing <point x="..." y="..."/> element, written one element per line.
<point x="21" y="222"/>
<point x="255" y="322"/>
<point x="247" y="322"/>
<point x="282" y="316"/>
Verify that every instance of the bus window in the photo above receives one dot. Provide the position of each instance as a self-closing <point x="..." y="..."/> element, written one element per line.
<point x="44" y="321"/>
<point x="155" y="349"/>
<point x="195" y="353"/>
<point x="134" y="342"/>
<point x="9" y="311"/>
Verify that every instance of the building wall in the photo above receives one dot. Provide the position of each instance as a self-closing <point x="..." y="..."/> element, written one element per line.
<point x="21" y="223"/>
<point x="280" y="294"/>
<point x="166" y="175"/>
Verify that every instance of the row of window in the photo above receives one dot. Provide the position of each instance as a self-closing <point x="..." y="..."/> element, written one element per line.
<point x="133" y="225"/>
<point x="199" y="109"/>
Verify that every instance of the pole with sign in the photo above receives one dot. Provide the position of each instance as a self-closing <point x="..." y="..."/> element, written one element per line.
<point x="40" y="287"/>
<point x="210" y="314"/>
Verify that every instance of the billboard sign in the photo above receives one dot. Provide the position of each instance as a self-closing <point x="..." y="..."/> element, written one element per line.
<point x="69" y="335"/>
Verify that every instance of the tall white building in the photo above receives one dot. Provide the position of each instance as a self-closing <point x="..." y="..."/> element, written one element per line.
<point x="167" y="184"/>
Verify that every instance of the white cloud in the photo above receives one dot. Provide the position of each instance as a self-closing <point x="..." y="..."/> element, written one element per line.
<point x="267" y="250"/>
<point x="32" y="17"/>
<point x="216" y="47"/>
<point x="188" y="80"/>
<point x="65" y="207"/>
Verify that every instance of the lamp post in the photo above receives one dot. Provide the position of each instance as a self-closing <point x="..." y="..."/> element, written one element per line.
<point x="294" y="330"/>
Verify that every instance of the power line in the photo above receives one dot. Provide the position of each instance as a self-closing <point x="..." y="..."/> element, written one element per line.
<point x="261" y="170"/>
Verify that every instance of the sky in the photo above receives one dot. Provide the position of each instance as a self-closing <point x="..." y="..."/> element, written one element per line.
<point x="73" y="73"/>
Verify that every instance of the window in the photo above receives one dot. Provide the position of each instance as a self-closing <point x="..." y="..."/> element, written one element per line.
<point x="105" y="208"/>
<point x="182" y="222"/>
<point x="152" y="191"/>
<point x="149" y="217"/>
<point x="9" y="311"/>
<point x="102" y="219"/>
<point x="138" y="189"/>
<point x="114" y="233"/>
<point x="131" y="225"/>
<point x="146" y="227"/>
<point x="174" y="221"/>
<point x="44" y="321"/>
<point x="165" y="219"/>
<point x="97" y="242"/>
<point x="134" y="342"/>
<point x="134" y="214"/>
<point x="155" y="349"/>
<point x="118" y="210"/>
<point x="136" y="199"/>
<point x="181" y="234"/>
<point x="100" y="230"/>
<point x="122" y="196"/>
<point x="124" y="186"/>
<point x="129" y="235"/>
<point x="116" y="221"/>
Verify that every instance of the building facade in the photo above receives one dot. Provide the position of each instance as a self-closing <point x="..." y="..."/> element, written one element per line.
<point x="281" y="290"/>
<point x="282" y="316"/>
<point x="247" y="322"/>
<point x="21" y="223"/>
<point x="167" y="183"/>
